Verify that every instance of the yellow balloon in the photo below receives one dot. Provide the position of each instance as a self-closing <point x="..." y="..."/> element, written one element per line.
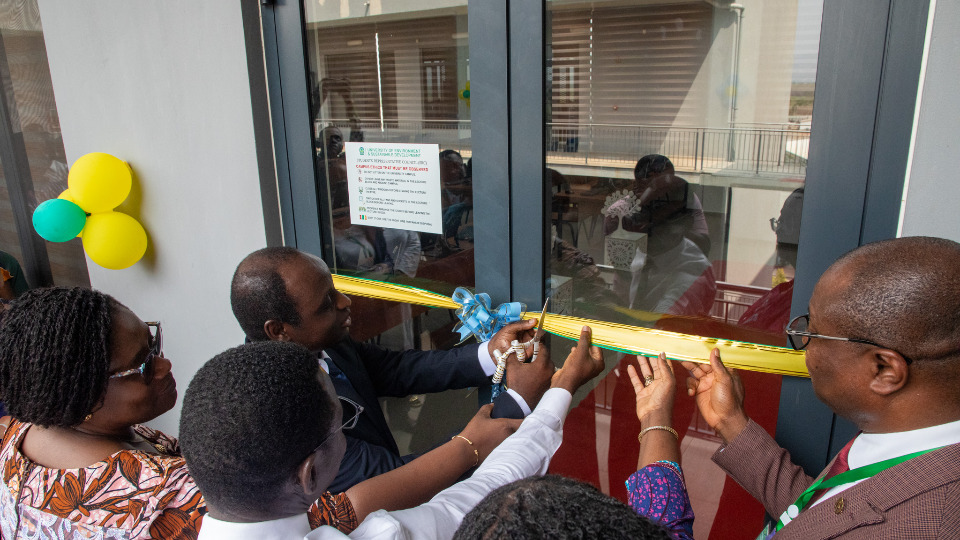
<point x="114" y="240"/>
<point x="99" y="182"/>
<point x="67" y="196"/>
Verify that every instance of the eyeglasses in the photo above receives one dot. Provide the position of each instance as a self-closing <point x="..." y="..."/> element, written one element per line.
<point x="146" y="369"/>
<point x="346" y="404"/>
<point x="799" y="336"/>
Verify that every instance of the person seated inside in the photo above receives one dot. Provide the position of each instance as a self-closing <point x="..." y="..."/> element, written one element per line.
<point x="360" y="249"/>
<point x="771" y="312"/>
<point x="674" y="274"/>
<point x="456" y="203"/>
<point x="276" y="393"/>
<point x="331" y="143"/>
<point x="282" y="294"/>
<point x="13" y="283"/>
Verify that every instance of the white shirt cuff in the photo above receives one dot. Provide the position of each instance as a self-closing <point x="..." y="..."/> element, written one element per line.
<point x="520" y="401"/>
<point x="556" y="403"/>
<point x="487" y="364"/>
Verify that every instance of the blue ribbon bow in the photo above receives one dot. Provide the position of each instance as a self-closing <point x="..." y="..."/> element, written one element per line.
<point x="477" y="318"/>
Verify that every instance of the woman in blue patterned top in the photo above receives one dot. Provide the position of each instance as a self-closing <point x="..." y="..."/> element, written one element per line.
<point x="657" y="490"/>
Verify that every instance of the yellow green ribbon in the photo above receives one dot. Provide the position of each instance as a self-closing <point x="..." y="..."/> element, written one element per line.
<point x="618" y="337"/>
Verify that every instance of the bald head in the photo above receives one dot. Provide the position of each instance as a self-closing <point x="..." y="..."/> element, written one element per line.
<point x="258" y="292"/>
<point x="282" y="294"/>
<point x="903" y="293"/>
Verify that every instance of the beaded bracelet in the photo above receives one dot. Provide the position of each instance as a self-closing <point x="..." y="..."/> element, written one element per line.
<point x="673" y="464"/>
<point x="475" y="452"/>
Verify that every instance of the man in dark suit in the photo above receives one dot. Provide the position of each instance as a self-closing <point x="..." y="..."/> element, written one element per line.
<point x="882" y="343"/>
<point x="283" y="294"/>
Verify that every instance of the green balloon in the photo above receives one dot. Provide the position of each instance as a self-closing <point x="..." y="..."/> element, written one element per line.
<point x="58" y="220"/>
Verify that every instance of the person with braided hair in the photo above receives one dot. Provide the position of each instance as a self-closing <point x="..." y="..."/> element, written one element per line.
<point x="79" y="372"/>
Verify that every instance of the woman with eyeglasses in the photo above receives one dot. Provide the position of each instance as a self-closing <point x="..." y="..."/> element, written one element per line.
<point x="80" y="373"/>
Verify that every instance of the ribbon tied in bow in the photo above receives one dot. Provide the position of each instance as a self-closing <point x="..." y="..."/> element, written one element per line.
<point x="477" y="318"/>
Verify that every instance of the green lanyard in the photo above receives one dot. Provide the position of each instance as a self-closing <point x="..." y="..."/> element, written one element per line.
<point x="852" y="475"/>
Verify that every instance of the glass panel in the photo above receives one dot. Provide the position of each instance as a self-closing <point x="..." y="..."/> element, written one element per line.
<point x="34" y="131"/>
<point x="385" y="72"/>
<point x="676" y="148"/>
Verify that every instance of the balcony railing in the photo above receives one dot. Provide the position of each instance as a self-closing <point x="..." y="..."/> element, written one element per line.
<point x="752" y="150"/>
<point x="756" y="149"/>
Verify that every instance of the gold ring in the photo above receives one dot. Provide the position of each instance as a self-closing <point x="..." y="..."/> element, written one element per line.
<point x="647" y="381"/>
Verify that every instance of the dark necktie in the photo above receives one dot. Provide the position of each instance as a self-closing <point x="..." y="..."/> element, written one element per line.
<point x="840" y="465"/>
<point x="334" y="371"/>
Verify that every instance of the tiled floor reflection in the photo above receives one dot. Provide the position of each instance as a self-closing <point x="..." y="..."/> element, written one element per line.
<point x="603" y="448"/>
<point x="704" y="481"/>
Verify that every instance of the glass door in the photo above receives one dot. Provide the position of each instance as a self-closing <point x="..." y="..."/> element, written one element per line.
<point x="676" y="144"/>
<point x="392" y="77"/>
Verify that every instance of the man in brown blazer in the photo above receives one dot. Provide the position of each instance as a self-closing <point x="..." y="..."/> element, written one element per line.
<point x="882" y="343"/>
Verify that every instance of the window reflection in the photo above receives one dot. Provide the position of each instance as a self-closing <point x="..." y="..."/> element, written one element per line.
<point x="380" y="78"/>
<point x="392" y="72"/>
<point x="32" y="130"/>
<point x="677" y="136"/>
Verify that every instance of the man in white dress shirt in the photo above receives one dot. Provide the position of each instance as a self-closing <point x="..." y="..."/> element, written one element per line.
<point x="882" y="343"/>
<point x="269" y="500"/>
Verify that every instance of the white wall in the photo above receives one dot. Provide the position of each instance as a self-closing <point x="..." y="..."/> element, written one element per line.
<point x="933" y="191"/>
<point x="164" y="86"/>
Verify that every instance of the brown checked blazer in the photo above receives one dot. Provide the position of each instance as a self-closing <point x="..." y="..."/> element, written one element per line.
<point x="917" y="499"/>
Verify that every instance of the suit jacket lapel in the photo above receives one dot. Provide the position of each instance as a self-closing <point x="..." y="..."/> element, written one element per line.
<point x="866" y="502"/>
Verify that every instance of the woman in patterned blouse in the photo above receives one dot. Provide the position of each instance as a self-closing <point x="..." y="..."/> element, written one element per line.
<point x="657" y="491"/>
<point x="79" y="373"/>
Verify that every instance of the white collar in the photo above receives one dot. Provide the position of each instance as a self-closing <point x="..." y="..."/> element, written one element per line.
<point x="323" y="358"/>
<point x="288" y="528"/>
<point x="874" y="447"/>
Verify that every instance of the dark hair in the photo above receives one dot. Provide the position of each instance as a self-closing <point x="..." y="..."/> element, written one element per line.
<point x="903" y="293"/>
<point x="250" y="416"/>
<point x="554" y="507"/>
<point x="650" y="164"/>
<point x="55" y="355"/>
<point x="258" y="293"/>
<point x="449" y="154"/>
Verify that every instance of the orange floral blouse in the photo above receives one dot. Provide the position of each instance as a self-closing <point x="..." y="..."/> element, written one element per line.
<point x="130" y="495"/>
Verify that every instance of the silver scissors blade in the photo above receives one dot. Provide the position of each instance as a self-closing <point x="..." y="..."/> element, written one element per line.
<point x="543" y="315"/>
